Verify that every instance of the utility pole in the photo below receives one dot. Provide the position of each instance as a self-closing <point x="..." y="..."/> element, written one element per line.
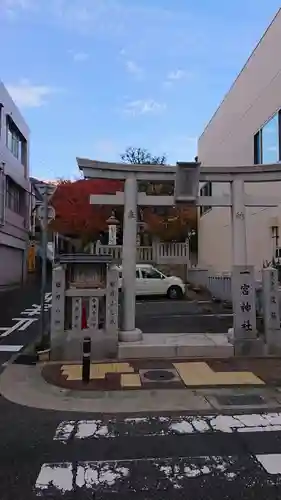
<point x="45" y="214"/>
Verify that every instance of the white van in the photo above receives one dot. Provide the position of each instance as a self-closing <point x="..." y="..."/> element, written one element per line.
<point x="151" y="281"/>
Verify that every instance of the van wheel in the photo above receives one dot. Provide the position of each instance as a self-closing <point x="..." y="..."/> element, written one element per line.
<point x="174" y="292"/>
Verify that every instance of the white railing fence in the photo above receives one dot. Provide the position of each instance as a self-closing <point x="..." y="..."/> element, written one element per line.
<point x="220" y="286"/>
<point x="158" y="253"/>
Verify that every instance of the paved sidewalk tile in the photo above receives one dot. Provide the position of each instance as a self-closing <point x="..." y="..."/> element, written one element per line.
<point x="130" y="380"/>
<point x="141" y="375"/>
<point x="195" y="374"/>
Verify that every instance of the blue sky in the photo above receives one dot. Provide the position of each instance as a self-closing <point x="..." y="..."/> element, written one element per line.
<point x="92" y="77"/>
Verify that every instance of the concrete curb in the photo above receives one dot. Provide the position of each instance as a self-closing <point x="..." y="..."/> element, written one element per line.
<point x="24" y="385"/>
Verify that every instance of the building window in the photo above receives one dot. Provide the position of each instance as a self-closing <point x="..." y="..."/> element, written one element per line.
<point x="15" y="197"/>
<point x="15" y="141"/>
<point x="270" y="141"/>
<point x="267" y="142"/>
<point x="205" y="190"/>
<point x="257" y="148"/>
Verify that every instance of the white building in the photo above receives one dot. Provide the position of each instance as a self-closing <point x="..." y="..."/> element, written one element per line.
<point x="14" y="192"/>
<point x="245" y="130"/>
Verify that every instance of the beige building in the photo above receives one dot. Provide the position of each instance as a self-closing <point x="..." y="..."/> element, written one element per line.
<point x="14" y="192"/>
<point x="245" y="130"/>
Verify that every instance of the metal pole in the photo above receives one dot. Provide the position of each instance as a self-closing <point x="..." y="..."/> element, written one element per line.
<point x="86" y="361"/>
<point x="44" y="243"/>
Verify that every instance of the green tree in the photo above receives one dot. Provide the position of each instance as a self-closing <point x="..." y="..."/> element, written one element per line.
<point x="167" y="222"/>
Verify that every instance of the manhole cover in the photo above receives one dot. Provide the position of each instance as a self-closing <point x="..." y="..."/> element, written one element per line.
<point x="159" y="375"/>
<point x="241" y="400"/>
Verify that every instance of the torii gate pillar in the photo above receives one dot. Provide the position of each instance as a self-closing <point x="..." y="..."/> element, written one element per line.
<point x="129" y="259"/>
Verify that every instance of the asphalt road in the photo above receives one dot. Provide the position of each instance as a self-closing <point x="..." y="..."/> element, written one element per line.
<point x="182" y="316"/>
<point x="131" y="460"/>
<point x="126" y="460"/>
<point x="19" y="318"/>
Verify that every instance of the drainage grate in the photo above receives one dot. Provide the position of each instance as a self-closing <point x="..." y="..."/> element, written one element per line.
<point x="240" y="400"/>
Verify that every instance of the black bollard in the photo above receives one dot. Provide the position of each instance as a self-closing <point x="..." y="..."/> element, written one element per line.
<point x="86" y="361"/>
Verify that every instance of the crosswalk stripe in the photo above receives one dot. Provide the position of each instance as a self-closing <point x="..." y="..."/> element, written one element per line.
<point x="271" y="462"/>
<point x="163" y="426"/>
<point x="65" y="477"/>
<point x="10" y="348"/>
<point x="161" y="474"/>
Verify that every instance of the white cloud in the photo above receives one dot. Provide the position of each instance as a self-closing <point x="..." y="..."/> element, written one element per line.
<point x="133" y="68"/>
<point x="144" y="106"/>
<point x="27" y="95"/>
<point x="80" y="56"/>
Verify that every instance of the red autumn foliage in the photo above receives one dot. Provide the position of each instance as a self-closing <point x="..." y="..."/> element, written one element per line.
<point x="174" y="225"/>
<point x="74" y="214"/>
<point x="76" y="217"/>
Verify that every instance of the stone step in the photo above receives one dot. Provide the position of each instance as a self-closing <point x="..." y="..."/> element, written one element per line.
<point x="184" y="345"/>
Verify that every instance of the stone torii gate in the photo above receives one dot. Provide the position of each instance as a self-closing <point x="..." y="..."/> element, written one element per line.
<point x="131" y="199"/>
<point x="187" y="177"/>
<point x="243" y="274"/>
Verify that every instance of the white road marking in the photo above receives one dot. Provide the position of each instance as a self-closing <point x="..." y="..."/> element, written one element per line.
<point x="64" y="430"/>
<point x="91" y="474"/>
<point x="48" y="297"/>
<point x="57" y="476"/>
<point x="261" y="429"/>
<point x="10" y="348"/>
<point x="270" y="462"/>
<point x="161" y="426"/>
<point x="22" y="324"/>
<point x="25" y="322"/>
<point x="109" y="475"/>
<point x="85" y="429"/>
<point x="82" y="429"/>
<point x="183" y="427"/>
<point x="35" y="310"/>
<point x="200" y="466"/>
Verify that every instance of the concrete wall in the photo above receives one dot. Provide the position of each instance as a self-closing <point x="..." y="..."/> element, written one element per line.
<point x="14" y="230"/>
<point x="229" y="140"/>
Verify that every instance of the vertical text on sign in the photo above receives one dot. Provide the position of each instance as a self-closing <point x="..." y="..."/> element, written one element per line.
<point x="244" y="303"/>
<point x="271" y="307"/>
<point x="112" y="301"/>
